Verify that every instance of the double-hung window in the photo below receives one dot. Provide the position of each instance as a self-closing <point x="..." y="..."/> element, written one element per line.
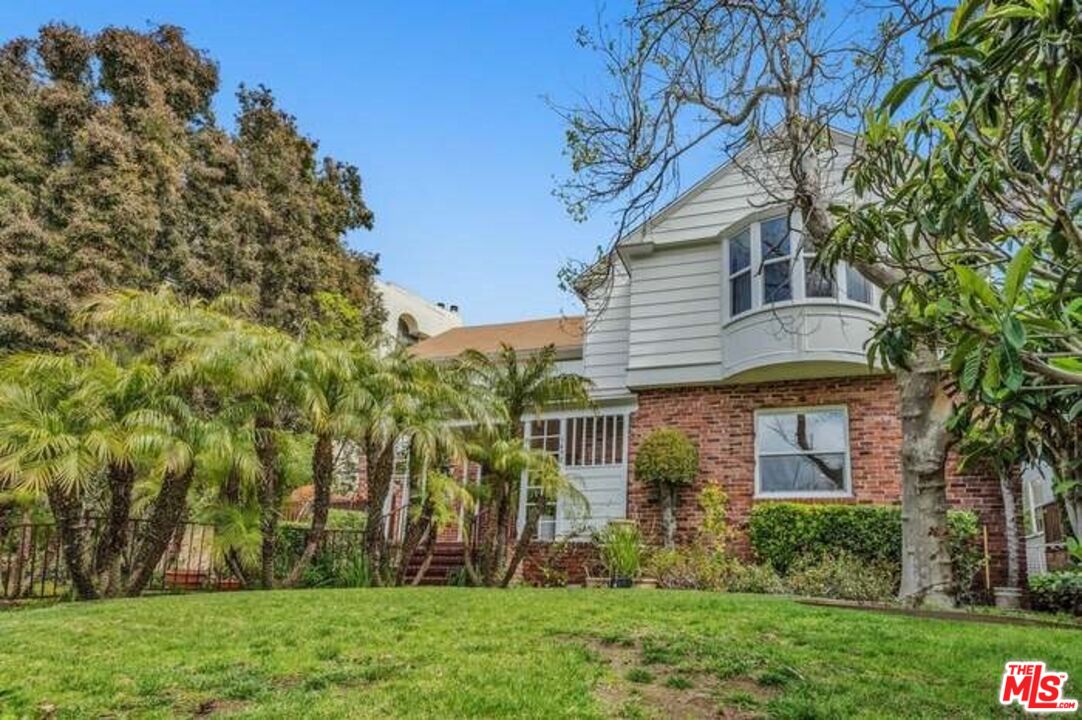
<point x="802" y="452"/>
<point x="777" y="260"/>
<point x="857" y="287"/>
<point x="818" y="280"/>
<point x="740" y="272"/>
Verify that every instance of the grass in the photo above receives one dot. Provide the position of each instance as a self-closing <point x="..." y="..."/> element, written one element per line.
<point x="456" y="652"/>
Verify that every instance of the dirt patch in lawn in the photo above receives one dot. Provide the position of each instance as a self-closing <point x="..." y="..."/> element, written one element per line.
<point x="217" y="707"/>
<point x="632" y="688"/>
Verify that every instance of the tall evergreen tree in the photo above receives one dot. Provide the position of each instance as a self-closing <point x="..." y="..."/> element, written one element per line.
<point x="115" y="173"/>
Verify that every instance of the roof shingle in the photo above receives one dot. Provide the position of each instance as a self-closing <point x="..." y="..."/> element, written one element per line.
<point x="529" y="335"/>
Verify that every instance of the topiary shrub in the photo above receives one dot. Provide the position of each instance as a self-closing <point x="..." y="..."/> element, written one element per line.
<point x="667" y="458"/>
<point x="783" y="533"/>
<point x="1059" y="591"/>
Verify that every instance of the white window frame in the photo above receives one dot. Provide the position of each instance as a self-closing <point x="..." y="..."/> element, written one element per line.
<point x="789" y="260"/>
<point x="797" y="260"/>
<point x="847" y="492"/>
<point x="748" y="270"/>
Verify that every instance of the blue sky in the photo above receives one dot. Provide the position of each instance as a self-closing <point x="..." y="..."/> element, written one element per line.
<point x="440" y="106"/>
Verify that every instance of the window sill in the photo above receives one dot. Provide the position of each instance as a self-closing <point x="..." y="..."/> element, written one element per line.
<point x="790" y="304"/>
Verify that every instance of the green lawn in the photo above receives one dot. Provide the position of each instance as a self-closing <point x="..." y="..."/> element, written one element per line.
<point x="452" y="652"/>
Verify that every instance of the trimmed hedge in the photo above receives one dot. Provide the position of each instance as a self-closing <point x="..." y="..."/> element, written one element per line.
<point x="781" y="533"/>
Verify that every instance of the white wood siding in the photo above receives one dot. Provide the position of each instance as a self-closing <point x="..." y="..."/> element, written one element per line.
<point x="746" y="185"/>
<point x="604" y="351"/>
<point x="675" y="307"/>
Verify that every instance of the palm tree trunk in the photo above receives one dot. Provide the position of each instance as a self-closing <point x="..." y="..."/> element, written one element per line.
<point x="160" y="527"/>
<point x="529" y="532"/>
<point x="925" y="409"/>
<point x="380" y="462"/>
<point x="114" y="535"/>
<point x="66" y="509"/>
<point x="267" y="451"/>
<point x="322" y="469"/>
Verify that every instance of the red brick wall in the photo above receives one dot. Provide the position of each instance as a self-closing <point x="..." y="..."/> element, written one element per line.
<point x="720" y="419"/>
<point x="571" y="560"/>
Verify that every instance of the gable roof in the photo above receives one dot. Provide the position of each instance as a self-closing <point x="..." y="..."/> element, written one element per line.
<point x="529" y="335"/>
<point x="733" y="163"/>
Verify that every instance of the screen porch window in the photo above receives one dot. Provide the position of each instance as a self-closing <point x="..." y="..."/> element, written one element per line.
<point x="802" y="452"/>
<point x="594" y="440"/>
<point x="543" y="435"/>
<point x="740" y="273"/>
<point x="777" y="260"/>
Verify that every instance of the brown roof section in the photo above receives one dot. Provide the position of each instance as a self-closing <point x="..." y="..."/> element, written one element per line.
<point x="563" y="332"/>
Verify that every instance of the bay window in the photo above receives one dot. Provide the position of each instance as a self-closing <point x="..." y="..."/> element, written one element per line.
<point x="767" y="265"/>
<point x="802" y="453"/>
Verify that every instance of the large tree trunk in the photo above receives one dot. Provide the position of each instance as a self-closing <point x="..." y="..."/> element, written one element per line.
<point x="114" y="533"/>
<point x="1010" y="518"/>
<point x="159" y="529"/>
<point x="925" y="409"/>
<point x="380" y="462"/>
<point x="269" y="500"/>
<point x="67" y="510"/>
<point x="322" y="471"/>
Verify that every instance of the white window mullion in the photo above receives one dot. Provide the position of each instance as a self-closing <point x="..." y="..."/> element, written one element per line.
<point x="756" y="266"/>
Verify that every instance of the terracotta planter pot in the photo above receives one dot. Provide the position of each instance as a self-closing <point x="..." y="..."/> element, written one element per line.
<point x="185" y="579"/>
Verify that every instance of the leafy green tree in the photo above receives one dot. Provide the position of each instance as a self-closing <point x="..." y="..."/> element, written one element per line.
<point x="514" y="387"/>
<point x="975" y="201"/>
<point x="115" y="174"/>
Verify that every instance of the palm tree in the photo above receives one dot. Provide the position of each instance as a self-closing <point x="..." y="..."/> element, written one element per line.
<point x="221" y="377"/>
<point x="514" y="387"/>
<point x="71" y="421"/>
<point x="410" y="404"/>
<point x="333" y="399"/>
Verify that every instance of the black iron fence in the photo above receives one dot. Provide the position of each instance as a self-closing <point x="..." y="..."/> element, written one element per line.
<point x="32" y="562"/>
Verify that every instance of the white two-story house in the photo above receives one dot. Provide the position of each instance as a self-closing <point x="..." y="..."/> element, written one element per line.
<point x="709" y="317"/>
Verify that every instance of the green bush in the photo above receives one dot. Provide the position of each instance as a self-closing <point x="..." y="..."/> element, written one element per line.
<point x="1059" y="591"/>
<point x="783" y="532"/>
<point x="753" y="579"/>
<point x="667" y="457"/>
<point x="688" y="568"/>
<point x="844" y="576"/>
